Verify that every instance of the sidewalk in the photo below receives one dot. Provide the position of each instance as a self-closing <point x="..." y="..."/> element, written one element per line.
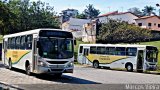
<point x="4" y="86"/>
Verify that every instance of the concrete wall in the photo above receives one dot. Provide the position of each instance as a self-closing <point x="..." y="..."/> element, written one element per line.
<point x="128" y="17"/>
<point x="153" y="20"/>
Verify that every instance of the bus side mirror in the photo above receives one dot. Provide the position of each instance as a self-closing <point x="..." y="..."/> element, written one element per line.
<point x="75" y="43"/>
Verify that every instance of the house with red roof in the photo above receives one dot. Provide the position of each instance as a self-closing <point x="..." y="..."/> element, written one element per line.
<point x="149" y="22"/>
<point x="123" y="16"/>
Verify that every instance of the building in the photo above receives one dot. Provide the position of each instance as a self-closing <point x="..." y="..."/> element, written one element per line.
<point x="67" y="14"/>
<point x="89" y="32"/>
<point x="75" y="26"/>
<point x="149" y="22"/>
<point x="123" y="16"/>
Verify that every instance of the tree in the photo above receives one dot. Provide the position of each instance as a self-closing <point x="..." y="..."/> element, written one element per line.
<point x="81" y="16"/>
<point x="122" y="32"/>
<point x="91" y="12"/>
<point x="22" y="15"/>
<point x="135" y="11"/>
<point x="6" y="18"/>
<point x="148" y="10"/>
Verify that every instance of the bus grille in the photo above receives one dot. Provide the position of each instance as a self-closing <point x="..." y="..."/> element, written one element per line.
<point x="57" y="62"/>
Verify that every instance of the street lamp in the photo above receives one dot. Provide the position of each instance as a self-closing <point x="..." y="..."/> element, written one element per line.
<point x="158" y="5"/>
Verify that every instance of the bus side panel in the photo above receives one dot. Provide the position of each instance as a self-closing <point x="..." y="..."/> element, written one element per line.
<point x="27" y="55"/>
<point x="121" y="63"/>
<point x="112" y="61"/>
<point x="19" y="57"/>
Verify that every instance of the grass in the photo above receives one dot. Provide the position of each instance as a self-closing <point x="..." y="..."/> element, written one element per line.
<point x="154" y="43"/>
<point x="1" y="38"/>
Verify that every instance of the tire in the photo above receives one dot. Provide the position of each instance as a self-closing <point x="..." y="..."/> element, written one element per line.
<point x="10" y="65"/>
<point x="129" y="67"/>
<point x="28" y="69"/>
<point x="96" y="64"/>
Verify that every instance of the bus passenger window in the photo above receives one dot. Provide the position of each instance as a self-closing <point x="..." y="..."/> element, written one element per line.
<point x="120" y="51"/>
<point x="100" y="50"/>
<point x="17" y="44"/>
<point x="22" y="42"/>
<point x="93" y="50"/>
<point x="110" y="50"/>
<point x="29" y="42"/>
<point x="9" y="43"/>
<point x="131" y="51"/>
<point x="13" y="43"/>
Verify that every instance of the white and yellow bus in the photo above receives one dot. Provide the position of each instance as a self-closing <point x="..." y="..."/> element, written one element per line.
<point x="130" y="57"/>
<point x="39" y="51"/>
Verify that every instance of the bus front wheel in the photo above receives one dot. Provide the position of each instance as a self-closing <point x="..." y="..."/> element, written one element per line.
<point x="96" y="64"/>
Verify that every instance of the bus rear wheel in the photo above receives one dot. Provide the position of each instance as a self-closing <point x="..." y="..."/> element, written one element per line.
<point x="129" y="67"/>
<point x="28" y="69"/>
<point x="96" y="64"/>
<point x="10" y="64"/>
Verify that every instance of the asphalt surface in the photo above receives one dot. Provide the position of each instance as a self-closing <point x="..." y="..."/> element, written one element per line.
<point x="84" y="77"/>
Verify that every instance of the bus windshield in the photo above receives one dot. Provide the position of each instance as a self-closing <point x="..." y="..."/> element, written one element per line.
<point x="55" y="48"/>
<point x="151" y="54"/>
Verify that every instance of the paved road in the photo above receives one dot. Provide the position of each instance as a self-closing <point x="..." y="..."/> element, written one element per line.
<point x="87" y="76"/>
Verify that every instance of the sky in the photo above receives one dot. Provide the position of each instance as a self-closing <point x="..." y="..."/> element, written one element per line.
<point x="103" y="5"/>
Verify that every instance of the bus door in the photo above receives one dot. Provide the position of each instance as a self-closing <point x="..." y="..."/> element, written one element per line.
<point x="140" y="59"/>
<point x="34" y="60"/>
<point x="85" y="54"/>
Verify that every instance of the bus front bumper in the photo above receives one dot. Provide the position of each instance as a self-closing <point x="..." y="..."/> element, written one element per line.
<point x="50" y="70"/>
<point x="151" y="67"/>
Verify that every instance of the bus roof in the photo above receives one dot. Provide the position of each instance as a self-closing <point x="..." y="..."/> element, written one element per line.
<point x="34" y="31"/>
<point x="117" y="45"/>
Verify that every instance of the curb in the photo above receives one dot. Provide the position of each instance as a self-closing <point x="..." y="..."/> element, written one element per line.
<point x="7" y="86"/>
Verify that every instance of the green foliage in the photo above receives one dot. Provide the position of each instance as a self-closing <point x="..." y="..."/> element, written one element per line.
<point x="81" y="16"/>
<point x="148" y="10"/>
<point x="118" y="31"/>
<point x="22" y="15"/>
<point x="135" y="11"/>
<point x="91" y="12"/>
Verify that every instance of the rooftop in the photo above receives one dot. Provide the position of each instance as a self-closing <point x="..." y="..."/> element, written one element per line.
<point x="146" y="17"/>
<point x="114" y="13"/>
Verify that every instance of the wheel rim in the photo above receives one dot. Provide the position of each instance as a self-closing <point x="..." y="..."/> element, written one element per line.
<point x="28" y="70"/>
<point x="129" y="67"/>
<point x="10" y="64"/>
<point x="96" y="65"/>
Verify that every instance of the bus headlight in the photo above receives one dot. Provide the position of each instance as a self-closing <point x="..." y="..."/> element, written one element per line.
<point x="69" y="65"/>
<point x="40" y="63"/>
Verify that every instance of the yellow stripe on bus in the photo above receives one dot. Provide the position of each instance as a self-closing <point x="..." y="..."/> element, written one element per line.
<point x="16" y="55"/>
<point x="105" y="59"/>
